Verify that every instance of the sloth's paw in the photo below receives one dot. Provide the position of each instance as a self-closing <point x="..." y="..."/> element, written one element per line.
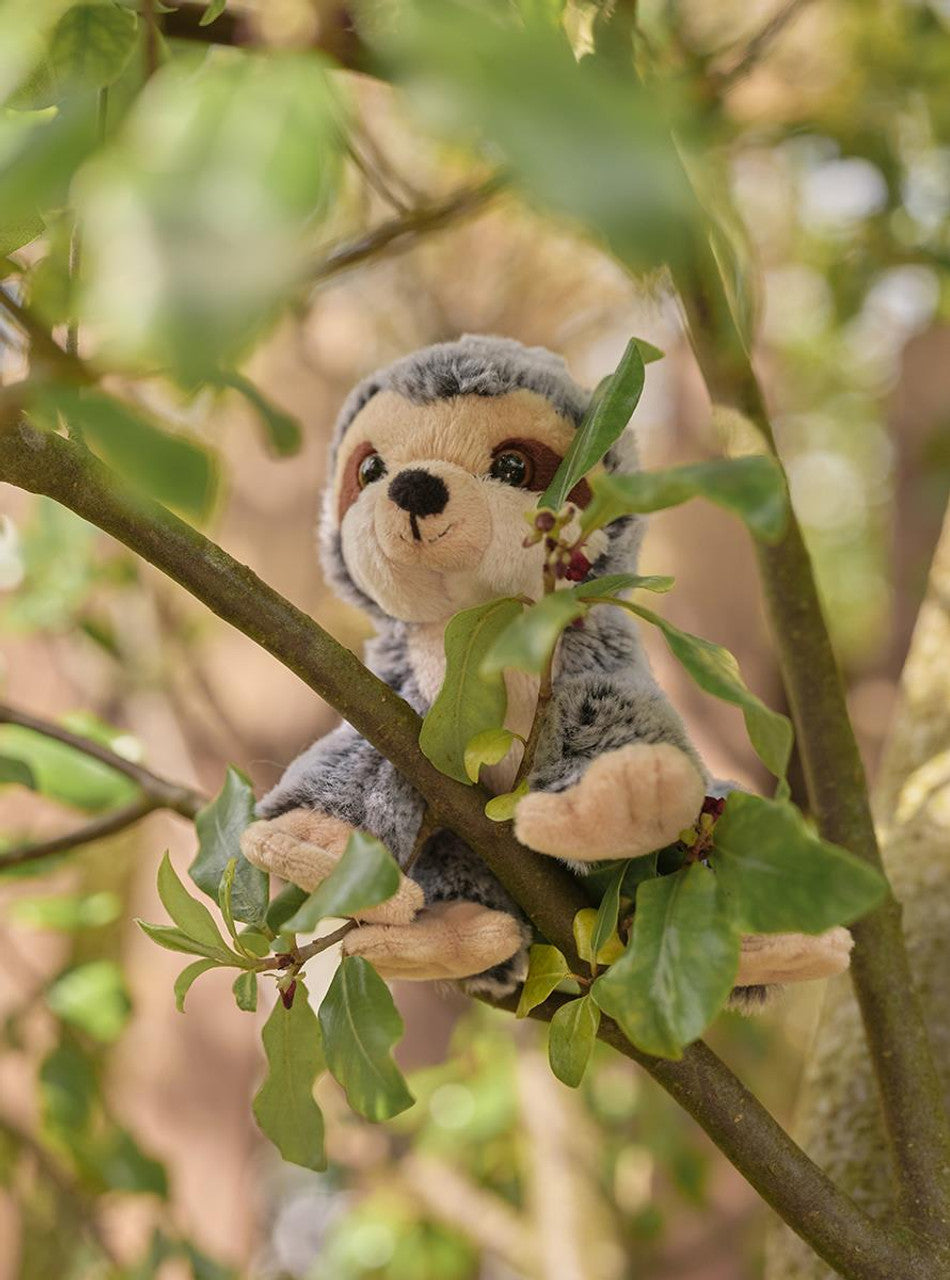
<point x="629" y="802"/>
<point x="448" y="940"/>
<point x="768" y="958"/>
<point x="304" y="845"/>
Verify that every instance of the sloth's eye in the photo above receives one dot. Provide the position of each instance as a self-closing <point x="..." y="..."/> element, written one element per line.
<point x="512" y="467"/>
<point x="371" y="468"/>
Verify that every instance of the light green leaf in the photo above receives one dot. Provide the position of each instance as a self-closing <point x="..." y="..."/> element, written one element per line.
<point x="603" y="424"/>
<point x="716" y="671"/>
<point x="219" y="827"/>
<point x="471" y="699"/>
<point x="547" y="969"/>
<point x="283" y="431"/>
<point x="192" y="917"/>
<point x="680" y="965"/>
<point x="613" y="583"/>
<point x="174" y="939"/>
<point x="69" y="912"/>
<point x="87" y="50"/>
<point x="487" y="748"/>
<point x="502" y="808"/>
<point x="93" y="997"/>
<point x="605" y="927"/>
<point x="171" y="467"/>
<point x="365" y="876"/>
<point x="571" y="1039"/>
<point x="779" y="877"/>
<point x="214" y="10"/>
<point x="65" y="774"/>
<point x="245" y="991"/>
<point x="186" y="978"/>
<point x="753" y="488"/>
<point x="584" y="923"/>
<point x="529" y="640"/>
<point x="360" y="1025"/>
<point x="17" y="772"/>
<point x="284" y="1106"/>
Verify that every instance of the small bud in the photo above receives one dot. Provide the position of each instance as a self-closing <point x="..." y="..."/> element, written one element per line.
<point x="287" y="994"/>
<point x="545" y="521"/>
<point x="550" y="544"/>
<point x="560" y="569"/>
<point x="714" y="805"/>
<point x="578" y="567"/>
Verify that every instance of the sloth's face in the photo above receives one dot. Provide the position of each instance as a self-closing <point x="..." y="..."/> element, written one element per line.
<point x="431" y="499"/>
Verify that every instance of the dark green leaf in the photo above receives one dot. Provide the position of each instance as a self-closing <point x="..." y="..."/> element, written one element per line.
<point x="547" y="969"/>
<point x="172" y="468"/>
<point x="186" y="978"/>
<point x="679" y="967"/>
<point x="17" y="772"/>
<point x="778" y="876"/>
<point x="602" y="426"/>
<point x="220" y="826"/>
<point x="290" y="899"/>
<point x="360" y="1025"/>
<point x="571" y="1039"/>
<point x="365" y="875"/>
<point x="93" y="997"/>
<point x="284" y="1106"/>
<point x="716" y="671"/>
<point x="245" y="991"/>
<point x="284" y="434"/>
<point x="753" y="488"/>
<point x="529" y="640"/>
<point x="471" y="700"/>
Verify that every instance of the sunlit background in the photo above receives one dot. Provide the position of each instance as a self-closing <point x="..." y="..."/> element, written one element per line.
<point x="224" y="195"/>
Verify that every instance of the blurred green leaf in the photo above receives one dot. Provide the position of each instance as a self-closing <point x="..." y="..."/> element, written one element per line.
<point x="471" y="700"/>
<point x="245" y="991"/>
<point x="65" y="774"/>
<point x="365" y="875"/>
<point x="87" y="50"/>
<point x="192" y="917"/>
<point x="93" y="997"/>
<point x="680" y="966"/>
<point x="778" y="876"/>
<point x="284" y="1106"/>
<point x="752" y="487"/>
<point x="603" y="424"/>
<point x="716" y="671"/>
<point x="123" y="1166"/>
<point x="69" y="912"/>
<point x="68" y="1088"/>
<point x="16" y="772"/>
<point x="487" y="748"/>
<point x="284" y="434"/>
<point x="169" y="467"/>
<point x="214" y="10"/>
<point x="547" y="969"/>
<point x="186" y="978"/>
<point x="529" y="640"/>
<point x="219" y="827"/>
<point x="360" y="1025"/>
<point x="571" y="1039"/>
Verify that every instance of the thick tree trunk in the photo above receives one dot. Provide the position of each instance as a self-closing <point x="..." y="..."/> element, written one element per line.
<point x="839" y="1120"/>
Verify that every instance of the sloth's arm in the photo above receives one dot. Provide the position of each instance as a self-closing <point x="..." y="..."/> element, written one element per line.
<point x="615" y="773"/>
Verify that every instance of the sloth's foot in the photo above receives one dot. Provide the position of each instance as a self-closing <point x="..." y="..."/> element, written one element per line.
<point x="629" y="802"/>
<point x="304" y="845"/>
<point x="448" y="940"/>
<point x="769" y="958"/>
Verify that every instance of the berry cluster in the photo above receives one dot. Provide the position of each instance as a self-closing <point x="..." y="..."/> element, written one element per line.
<point x="563" y="560"/>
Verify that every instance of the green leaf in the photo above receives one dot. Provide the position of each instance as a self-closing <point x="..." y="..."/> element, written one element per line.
<point x="471" y="699"/>
<point x="88" y="49"/>
<point x="172" y="468"/>
<point x="186" y="978"/>
<point x="487" y="748"/>
<point x="360" y="1025"/>
<point x="571" y="1039"/>
<point x="122" y="1165"/>
<point x="716" y="671"/>
<point x="547" y="969"/>
<point x="613" y="583"/>
<point x="68" y="912"/>
<point x="65" y="774"/>
<point x="753" y="488"/>
<point x="245" y="991"/>
<point x="502" y="808"/>
<point x="93" y="997"/>
<point x="284" y="433"/>
<point x="192" y="917"/>
<point x="680" y="965"/>
<point x="605" y="927"/>
<point x="219" y="827"/>
<point x="174" y="939"/>
<point x="290" y="899"/>
<point x="603" y="424"/>
<point x="584" y="923"/>
<point x="17" y="772"/>
<point x="68" y="1087"/>
<point x="365" y="876"/>
<point x="529" y="640"/>
<point x="284" y="1106"/>
<point x="214" y="10"/>
<point x="778" y="876"/>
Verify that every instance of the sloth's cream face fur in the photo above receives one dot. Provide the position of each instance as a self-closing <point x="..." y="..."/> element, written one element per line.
<point x="425" y="569"/>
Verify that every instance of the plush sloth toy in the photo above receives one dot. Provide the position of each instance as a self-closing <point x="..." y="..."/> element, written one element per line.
<point x="434" y="463"/>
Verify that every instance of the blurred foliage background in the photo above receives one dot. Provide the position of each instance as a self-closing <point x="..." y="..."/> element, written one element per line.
<point x="232" y="222"/>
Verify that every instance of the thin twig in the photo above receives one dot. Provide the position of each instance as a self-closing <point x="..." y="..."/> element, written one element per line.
<point x="108" y="825"/>
<point x="754" y="50"/>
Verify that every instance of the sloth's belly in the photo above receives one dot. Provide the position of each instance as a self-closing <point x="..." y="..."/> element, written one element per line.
<point x="427" y="658"/>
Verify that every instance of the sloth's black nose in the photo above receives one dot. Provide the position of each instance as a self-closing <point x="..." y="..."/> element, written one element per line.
<point x="420" y="493"/>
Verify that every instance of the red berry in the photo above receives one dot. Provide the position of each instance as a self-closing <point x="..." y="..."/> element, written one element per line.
<point x="578" y="567"/>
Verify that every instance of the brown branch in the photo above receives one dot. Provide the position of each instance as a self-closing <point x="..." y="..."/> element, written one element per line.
<point x="108" y="825"/>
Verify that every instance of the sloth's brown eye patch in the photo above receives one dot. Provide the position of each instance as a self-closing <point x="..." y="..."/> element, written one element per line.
<point x="531" y="464"/>
<point x="363" y="466"/>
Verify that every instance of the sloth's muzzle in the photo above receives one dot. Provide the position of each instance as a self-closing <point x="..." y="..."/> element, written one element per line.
<point x="420" y="494"/>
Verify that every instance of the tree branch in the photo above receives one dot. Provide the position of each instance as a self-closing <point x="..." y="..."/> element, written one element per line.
<point x="745" y="62"/>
